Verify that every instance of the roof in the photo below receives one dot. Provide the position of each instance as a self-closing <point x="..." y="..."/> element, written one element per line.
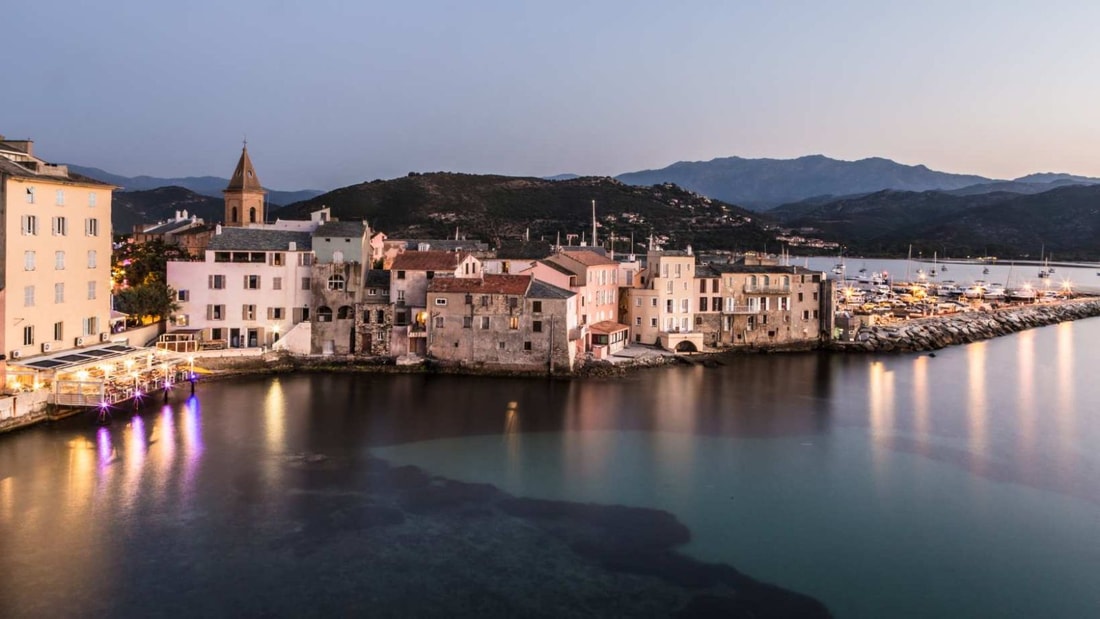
<point x="443" y="244"/>
<point x="427" y="261"/>
<point x="588" y="257"/>
<point x="575" y="248"/>
<point x="198" y="229"/>
<point x="12" y="168"/>
<point x="489" y="284"/>
<point x="773" y="268"/>
<point x="75" y="357"/>
<point x="703" y="271"/>
<point x="542" y="290"/>
<point x="170" y="226"/>
<point x="607" y="326"/>
<point x="377" y="278"/>
<point x="352" y="229"/>
<point x="560" y="268"/>
<point x="259" y="239"/>
<point x="244" y="177"/>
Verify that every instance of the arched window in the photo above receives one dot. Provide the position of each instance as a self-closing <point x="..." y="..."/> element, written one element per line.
<point x="767" y="281"/>
<point x="233" y="215"/>
<point x="752" y="281"/>
<point x="336" y="282"/>
<point x="785" y="281"/>
<point x="343" y="312"/>
<point x="324" y="314"/>
<point x="252" y="215"/>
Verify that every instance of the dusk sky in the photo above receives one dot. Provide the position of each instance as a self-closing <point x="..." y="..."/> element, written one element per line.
<point x="333" y="93"/>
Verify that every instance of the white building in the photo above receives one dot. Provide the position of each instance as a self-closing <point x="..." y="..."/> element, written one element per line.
<point x="252" y="288"/>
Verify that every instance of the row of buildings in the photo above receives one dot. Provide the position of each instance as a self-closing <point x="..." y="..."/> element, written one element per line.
<point x="327" y="287"/>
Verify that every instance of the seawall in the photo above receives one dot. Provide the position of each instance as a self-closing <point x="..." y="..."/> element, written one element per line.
<point x="941" y="331"/>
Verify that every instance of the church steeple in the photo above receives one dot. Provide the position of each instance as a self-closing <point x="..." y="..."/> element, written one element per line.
<point x="244" y="196"/>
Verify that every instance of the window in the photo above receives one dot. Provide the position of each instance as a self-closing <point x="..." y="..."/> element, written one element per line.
<point x="58" y="331"/>
<point x="324" y="314"/>
<point x="216" y="282"/>
<point x="28" y="261"/>
<point x="800" y="297"/>
<point x="467" y="322"/>
<point x="278" y="259"/>
<point x="276" y="313"/>
<point x="439" y="322"/>
<point x="215" y="312"/>
<point x="30" y="225"/>
<point x="805" y="314"/>
<point x="469" y="299"/>
<point x="513" y="302"/>
<point x="484" y="322"/>
<point x="670" y="306"/>
<point x="440" y="301"/>
<point x="400" y="275"/>
<point x="344" y="312"/>
<point x="28" y="296"/>
<point x="59" y="292"/>
<point x="216" y="334"/>
<point x="183" y="295"/>
<point x="702" y="285"/>
<point x="536" y="326"/>
<point x="815" y="296"/>
<point x="637" y="302"/>
<point x="513" y="322"/>
<point x="276" y="283"/>
<point x="653" y="322"/>
<point x="484" y="300"/>
<point x="60" y="197"/>
<point x="305" y="283"/>
<point x="91" y="291"/>
<point x="500" y="345"/>
<point x="336" y="282"/>
<point x="28" y="336"/>
<point x="536" y="306"/>
<point x="668" y="287"/>
<point x="30" y="195"/>
<point x="91" y="227"/>
<point x="251" y="282"/>
<point x="653" y="302"/>
<point x="221" y="256"/>
<point x="702" y="304"/>
<point x="248" y="312"/>
<point x="815" y="315"/>
<point x="60" y="226"/>
<point x="638" y="321"/>
<point x="372" y="292"/>
<point x="305" y="259"/>
<point x="527" y="345"/>
<point x="59" y="260"/>
<point x="91" y="325"/>
<point x="299" y="314"/>
<point x="684" y="306"/>
<point x="400" y="296"/>
<point x="91" y="259"/>
<point x="698" y="320"/>
<point x="401" y="319"/>
<point x="91" y="199"/>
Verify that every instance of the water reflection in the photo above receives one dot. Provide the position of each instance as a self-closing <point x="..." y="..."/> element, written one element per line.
<point x="1025" y="393"/>
<point x="880" y="394"/>
<point x="513" y="439"/>
<point x="977" y="403"/>
<point x="920" y="395"/>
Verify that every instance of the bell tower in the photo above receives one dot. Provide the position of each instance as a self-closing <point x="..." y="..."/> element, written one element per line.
<point x="244" y="197"/>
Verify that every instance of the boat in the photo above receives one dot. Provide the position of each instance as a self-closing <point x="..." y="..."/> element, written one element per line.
<point x="976" y="290"/>
<point x="985" y="271"/>
<point x="995" y="291"/>
<point x="1026" y="293"/>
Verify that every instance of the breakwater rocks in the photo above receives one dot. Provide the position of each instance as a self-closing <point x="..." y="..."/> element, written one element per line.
<point x="941" y="331"/>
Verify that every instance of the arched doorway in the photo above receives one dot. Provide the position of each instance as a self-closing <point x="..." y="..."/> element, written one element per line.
<point x="686" y="346"/>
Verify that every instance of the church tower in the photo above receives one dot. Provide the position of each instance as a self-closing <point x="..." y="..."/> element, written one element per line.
<point x="244" y="197"/>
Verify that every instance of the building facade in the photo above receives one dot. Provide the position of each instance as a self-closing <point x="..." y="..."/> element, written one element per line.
<point x="55" y="243"/>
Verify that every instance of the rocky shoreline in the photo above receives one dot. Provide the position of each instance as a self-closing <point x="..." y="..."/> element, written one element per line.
<point x="938" y="332"/>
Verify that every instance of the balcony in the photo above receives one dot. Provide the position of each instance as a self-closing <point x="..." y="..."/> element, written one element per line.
<point x="769" y="289"/>
<point x="741" y="309"/>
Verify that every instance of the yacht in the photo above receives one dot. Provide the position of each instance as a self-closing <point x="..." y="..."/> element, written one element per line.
<point x="995" y="291"/>
<point x="975" y="291"/>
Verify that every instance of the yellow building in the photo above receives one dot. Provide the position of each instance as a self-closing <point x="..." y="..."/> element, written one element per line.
<point x="55" y="248"/>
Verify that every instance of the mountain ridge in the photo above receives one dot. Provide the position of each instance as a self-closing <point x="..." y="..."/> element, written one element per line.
<point x="211" y="186"/>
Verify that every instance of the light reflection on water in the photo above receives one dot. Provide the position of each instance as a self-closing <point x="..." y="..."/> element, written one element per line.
<point x="798" y="451"/>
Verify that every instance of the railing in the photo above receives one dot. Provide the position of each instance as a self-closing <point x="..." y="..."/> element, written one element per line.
<point x="769" y="289"/>
<point x="741" y="309"/>
<point x="179" y="345"/>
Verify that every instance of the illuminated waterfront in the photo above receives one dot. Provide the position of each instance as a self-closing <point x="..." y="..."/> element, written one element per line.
<point x="960" y="485"/>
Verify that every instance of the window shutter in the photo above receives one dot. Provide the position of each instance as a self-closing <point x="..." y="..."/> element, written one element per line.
<point x="209" y="312"/>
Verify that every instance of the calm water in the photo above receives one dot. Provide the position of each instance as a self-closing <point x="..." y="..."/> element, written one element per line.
<point x="961" y="485"/>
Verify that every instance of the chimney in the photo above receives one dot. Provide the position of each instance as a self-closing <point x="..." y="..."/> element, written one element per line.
<point x="293" y="246"/>
<point x="218" y="229"/>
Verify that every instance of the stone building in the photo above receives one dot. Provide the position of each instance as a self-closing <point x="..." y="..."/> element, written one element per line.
<point x="411" y="272"/>
<point x="374" y="315"/>
<point x="767" y="305"/>
<point x="334" y="288"/>
<point x="501" y="322"/>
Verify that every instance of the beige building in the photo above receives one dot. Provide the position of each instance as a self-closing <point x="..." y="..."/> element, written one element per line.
<point x="55" y="278"/>
<point x="661" y="310"/>
<point x="244" y="196"/>
<point x="769" y="305"/>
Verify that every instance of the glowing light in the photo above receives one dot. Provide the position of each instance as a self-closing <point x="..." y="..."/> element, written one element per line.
<point x="82" y="375"/>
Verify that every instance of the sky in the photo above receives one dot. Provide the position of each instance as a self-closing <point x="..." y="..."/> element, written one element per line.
<point x="331" y="93"/>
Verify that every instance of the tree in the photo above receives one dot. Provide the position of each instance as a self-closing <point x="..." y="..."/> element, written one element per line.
<point x="134" y="264"/>
<point x="154" y="300"/>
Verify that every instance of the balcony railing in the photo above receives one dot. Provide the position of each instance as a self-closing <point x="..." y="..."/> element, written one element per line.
<point x="769" y="289"/>
<point x="741" y="309"/>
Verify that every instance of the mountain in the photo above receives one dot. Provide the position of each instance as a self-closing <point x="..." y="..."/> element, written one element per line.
<point x="144" y="207"/>
<point x="764" y="183"/>
<point x="206" y="185"/>
<point x="1065" y="219"/>
<point x="495" y="208"/>
<point x="1056" y="177"/>
<point x="562" y="177"/>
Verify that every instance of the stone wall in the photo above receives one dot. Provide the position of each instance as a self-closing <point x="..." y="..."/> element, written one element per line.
<point x="942" y="331"/>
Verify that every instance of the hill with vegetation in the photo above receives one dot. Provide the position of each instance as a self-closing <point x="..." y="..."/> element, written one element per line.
<point x="1065" y="220"/>
<point x="498" y="208"/>
<point x="129" y="208"/>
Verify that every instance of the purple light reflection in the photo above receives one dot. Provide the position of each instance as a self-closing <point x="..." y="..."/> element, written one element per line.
<point x="104" y="447"/>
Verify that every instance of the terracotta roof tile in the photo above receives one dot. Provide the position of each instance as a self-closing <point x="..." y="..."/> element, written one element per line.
<point x="607" y="326"/>
<point x="489" y="284"/>
<point x="427" y="261"/>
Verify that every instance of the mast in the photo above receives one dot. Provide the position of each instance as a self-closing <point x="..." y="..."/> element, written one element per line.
<point x="593" y="223"/>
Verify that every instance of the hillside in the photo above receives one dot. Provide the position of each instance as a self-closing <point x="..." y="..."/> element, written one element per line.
<point x="495" y="208"/>
<point x="1066" y="220"/>
<point x="133" y="207"/>
<point x="211" y="186"/>
<point x="764" y="183"/>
